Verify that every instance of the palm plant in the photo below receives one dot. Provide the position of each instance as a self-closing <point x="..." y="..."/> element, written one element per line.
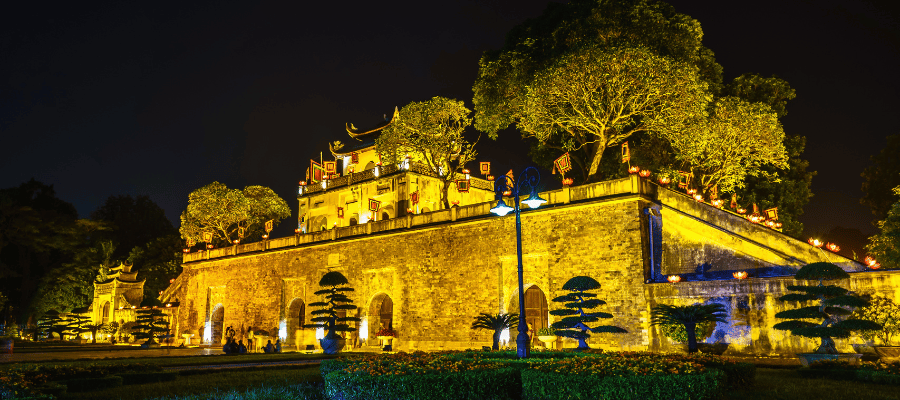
<point x="689" y="316"/>
<point x="496" y="323"/>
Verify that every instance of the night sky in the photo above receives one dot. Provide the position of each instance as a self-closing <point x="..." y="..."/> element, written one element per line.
<point x="161" y="99"/>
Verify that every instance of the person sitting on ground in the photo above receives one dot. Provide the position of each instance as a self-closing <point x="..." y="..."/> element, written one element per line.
<point x="226" y="348"/>
<point x="278" y="345"/>
<point x="241" y="348"/>
<point x="269" y="348"/>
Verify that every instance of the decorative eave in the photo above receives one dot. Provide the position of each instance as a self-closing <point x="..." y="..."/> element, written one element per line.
<point x="116" y="279"/>
<point x="344" y="151"/>
<point x="355" y="133"/>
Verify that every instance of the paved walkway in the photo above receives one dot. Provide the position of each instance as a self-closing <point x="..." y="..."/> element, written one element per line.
<point x="67" y="354"/>
<point x="243" y="365"/>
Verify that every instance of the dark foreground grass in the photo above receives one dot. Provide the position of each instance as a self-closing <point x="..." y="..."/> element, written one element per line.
<point x="278" y="383"/>
<point x="305" y="384"/>
<point x="186" y="360"/>
<point x="787" y="384"/>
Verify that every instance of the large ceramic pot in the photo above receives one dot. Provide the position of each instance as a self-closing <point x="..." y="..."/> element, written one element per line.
<point x="808" y="358"/>
<point x="888" y="353"/>
<point x="713" y="348"/>
<point x="332" y="345"/>
<point x="6" y="346"/>
<point x="548" y="340"/>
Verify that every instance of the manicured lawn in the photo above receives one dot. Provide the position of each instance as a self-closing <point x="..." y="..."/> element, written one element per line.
<point x="787" y="384"/>
<point x="280" y="383"/>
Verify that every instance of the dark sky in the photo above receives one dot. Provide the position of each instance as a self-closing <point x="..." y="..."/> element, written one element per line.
<point x="160" y="99"/>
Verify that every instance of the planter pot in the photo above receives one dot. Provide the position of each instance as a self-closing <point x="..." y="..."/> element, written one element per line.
<point x="808" y="358"/>
<point x="187" y="338"/>
<point x="713" y="348"/>
<point x="888" y="353"/>
<point x="548" y="340"/>
<point x="332" y="346"/>
<point x="386" y="343"/>
<point x="6" y="346"/>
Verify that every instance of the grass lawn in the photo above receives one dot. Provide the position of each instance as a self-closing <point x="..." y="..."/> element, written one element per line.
<point x="787" y="384"/>
<point x="209" y="385"/>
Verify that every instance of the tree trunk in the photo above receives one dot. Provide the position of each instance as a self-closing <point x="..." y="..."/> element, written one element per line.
<point x="595" y="163"/>
<point x="445" y="189"/>
<point x="690" y="328"/>
<point x="827" y="346"/>
<point x="496" y="345"/>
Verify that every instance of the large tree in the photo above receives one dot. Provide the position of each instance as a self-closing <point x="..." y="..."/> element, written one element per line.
<point x="432" y="132"/>
<point x="596" y="98"/>
<point x="134" y="221"/>
<point x="881" y="177"/>
<point x="223" y="212"/>
<point x="157" y="262"/>
<point x="885" y="246"/>
<point x="505" y="76"/>
<point x="736" y="140"/>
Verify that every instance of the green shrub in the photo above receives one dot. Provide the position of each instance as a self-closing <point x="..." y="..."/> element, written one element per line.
<point x="678" y="333"/>
<point x="553" y="385"/>
<point x="137" y="378"/>
<point x="87" y="384"/>
<point x="503" y="383"/>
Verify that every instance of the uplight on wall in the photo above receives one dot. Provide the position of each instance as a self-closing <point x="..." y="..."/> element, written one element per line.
<point x="364" y="328"/>
<point x="320" y="333"/>
<point x="282" y="330"/>
<point x="207" y="332"/>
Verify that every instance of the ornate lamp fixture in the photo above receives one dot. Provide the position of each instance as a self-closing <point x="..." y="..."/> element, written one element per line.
<point x="644" y="173"/>
<point x="872" y="263"/>
<point x="634" y="169"/>
<point x="673" y="279"/>
<point x="740" y="275"/>
<point x="815" y="242"/>
<point x="833" y="247"/>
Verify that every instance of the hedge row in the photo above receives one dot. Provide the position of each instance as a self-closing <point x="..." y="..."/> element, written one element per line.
<point x="497" y="384"/>
<point x="86" y="384"/>
<point x="137" y="378"/>
<point x="550" y="385"/>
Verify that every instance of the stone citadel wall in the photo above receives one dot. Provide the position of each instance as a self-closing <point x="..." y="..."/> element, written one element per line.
<point x="441" y="269"/>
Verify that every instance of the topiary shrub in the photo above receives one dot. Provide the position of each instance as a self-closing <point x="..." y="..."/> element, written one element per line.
<point x="831" y="303"/>
<point x="326" y="317"/>
<point x="575" y="320"/>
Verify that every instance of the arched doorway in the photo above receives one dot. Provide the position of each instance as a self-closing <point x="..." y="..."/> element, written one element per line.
<point x="381" y="314"/>
<point x="385" y="216"/>
<point x="104" y="317"/>
<point x="536" y="310"/>
<point x="353" y="221"/>
<point x="295" y="321"/>
<point x="217" y="320"/>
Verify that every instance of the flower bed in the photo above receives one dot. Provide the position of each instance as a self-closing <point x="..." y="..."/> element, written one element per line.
<point x="499" y="375"/>
<point x="42" y="379"/>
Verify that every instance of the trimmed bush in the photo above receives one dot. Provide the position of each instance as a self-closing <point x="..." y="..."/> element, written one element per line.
<point x="137" y="378"/>
<point x="503" y="383"/>
<point x="88" y="384"/>
<point x="553" y="385"/>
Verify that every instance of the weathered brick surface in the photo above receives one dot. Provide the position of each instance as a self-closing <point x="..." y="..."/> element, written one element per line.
<point x="441" y="273"/>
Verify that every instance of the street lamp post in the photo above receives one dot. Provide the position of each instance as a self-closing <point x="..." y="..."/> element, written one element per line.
<point x="529" y="179"/>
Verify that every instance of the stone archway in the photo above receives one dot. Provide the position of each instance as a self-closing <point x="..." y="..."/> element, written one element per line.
<point x="536" y="309"/>
<point x="217" y="322"/>
<point x="104" y="316"/>
<point x="381" y="313"/>
<point x="295" y="321"/>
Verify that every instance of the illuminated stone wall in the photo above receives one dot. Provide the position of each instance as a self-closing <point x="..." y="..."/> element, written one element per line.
<point x="443" y="268"/>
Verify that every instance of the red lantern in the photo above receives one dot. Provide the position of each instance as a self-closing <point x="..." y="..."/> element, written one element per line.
<point x="740" y="275"/>
<point x="741" y="210"/>
<point x="872" y="263"/>
<point x="297" y="231"/>
<point x="674" y="278"/>
<point x="172" y="280"/>
<point x="815" y="242"/>
<point x="633" y="170"/>
<point x="507" y="193"/>
<point x="833" y="247"/>
<point x="265" y="236"/>
<point x="490" y="177"/>
<point x="770" y="223"/>
<point x="409" y="210"/>
<point x="567" y="181"/>
<point x="209" y="246"/>
<point x="644" y="173"/>
<point x="717" y="203"/>
<point x="302" y="183"/>
<point x="698" y="197"/>
<point x="186" y="251"/>
<point x="465" y="171"/>
<point x="235" y="241"/>
<point x="664" y="180"/>
<point x="778" y="225"/>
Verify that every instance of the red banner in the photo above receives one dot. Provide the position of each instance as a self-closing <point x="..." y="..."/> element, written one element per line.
<point x="374" y="205"/>
<point x="563" y="164"/>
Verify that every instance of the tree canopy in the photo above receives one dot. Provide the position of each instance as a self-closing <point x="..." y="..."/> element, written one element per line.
<point x="225" y="213"/>
<point x="880" y="178"/>
<point x="736" y="140"/>
<point x="431" y="131"/>
<point x="885" y="245"/>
